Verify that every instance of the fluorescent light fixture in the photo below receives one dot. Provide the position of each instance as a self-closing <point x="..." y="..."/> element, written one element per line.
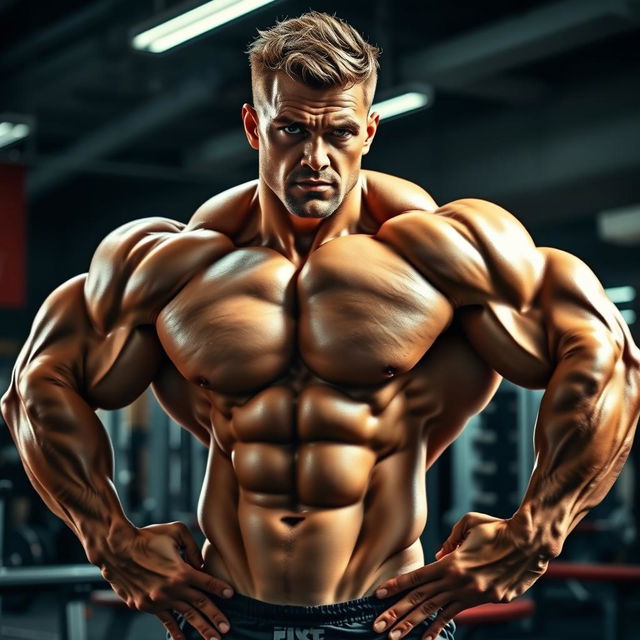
<point x="629" y="316"/>
<point x="11" y="132"/>
<point x="620" y="295"/>
<point x="620" y="226"/>
<point x="407" y="101"/>
<point x="193" y="23"/>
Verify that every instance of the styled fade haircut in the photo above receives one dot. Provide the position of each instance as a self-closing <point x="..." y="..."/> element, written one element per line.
<point x="316" y="49"/>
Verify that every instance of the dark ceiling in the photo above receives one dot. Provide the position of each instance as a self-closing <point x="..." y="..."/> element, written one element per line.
<point x="536" y="108"/>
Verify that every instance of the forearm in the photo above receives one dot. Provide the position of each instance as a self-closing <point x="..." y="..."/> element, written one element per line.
<point x="67" y="456"/>
<point x="583" y="436"/>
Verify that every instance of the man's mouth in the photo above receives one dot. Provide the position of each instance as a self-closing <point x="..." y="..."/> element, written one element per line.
<point x="313" y="185"/>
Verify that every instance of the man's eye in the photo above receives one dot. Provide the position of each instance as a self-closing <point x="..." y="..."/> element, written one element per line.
<point x="292" y="129"/>
<point x="342" y="133"/>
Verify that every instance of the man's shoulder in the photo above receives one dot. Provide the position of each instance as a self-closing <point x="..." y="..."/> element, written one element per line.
<point x="387" y="196"/>
<point x="227" y="212"/>
<point x="479" y="222"/>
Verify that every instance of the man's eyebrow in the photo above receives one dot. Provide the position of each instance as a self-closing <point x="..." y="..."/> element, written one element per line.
<point x="340" y="123"/>
<point x="346" y="123"/>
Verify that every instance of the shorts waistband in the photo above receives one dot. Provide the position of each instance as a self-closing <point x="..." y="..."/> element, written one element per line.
<point x="337" y="613"/>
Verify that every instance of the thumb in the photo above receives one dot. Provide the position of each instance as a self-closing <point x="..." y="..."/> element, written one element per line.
<point x="460" y="531"/>
<point x="191" y="552"/>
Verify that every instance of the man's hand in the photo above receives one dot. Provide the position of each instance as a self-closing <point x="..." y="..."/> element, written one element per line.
<point x="481" y="561"/>
<point x="146" y="569"/>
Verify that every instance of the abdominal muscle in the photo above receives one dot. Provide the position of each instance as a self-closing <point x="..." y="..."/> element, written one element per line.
<point x="274" y="549"/>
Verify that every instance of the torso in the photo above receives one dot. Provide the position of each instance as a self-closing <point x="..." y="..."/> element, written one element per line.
<point x="332" y="385"/>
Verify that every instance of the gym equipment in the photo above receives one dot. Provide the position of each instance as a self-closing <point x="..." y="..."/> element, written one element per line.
<point x="492" y="459"/>
<point x="489" y="615"/>
<point x="71" y="584"/>
<point x="614" y="582"/>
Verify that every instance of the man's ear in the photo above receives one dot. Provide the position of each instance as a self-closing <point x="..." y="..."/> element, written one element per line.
<point x="372" y="127"/>
<point x="250" y="122"/>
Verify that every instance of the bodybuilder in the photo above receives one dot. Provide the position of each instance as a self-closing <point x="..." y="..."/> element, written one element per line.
<point x="327" y="332"/>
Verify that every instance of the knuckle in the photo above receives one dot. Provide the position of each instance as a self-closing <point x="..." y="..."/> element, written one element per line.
<point x="201" y="602"/>
<point x="177" y="579"/>
<point x="392" y="616"/>
<point x="426" y="607"/>
<point x="406" y="626"/>
<point x="155" y="595"/>
<point x="415" y="597"/>
<point x="189" y="614"/>
<point x="415" y="579"/>
<point x="455" y="571"/>
<point x="494" y="594"/>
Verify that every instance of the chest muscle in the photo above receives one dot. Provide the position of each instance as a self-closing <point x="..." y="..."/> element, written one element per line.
<point x="356" y="313"/>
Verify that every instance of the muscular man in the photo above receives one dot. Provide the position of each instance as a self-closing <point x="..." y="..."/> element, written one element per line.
<point x="327" y="332"/>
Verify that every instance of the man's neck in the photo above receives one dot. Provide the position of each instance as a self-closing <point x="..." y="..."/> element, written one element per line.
<point x="296" y="237"/>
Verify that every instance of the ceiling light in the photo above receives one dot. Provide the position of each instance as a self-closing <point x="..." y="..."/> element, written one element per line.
<point x="620" y="226"/>
<point x="11" y="132"/>
<point x="620" y="295"/>
<point x="193" y="23"/>
<point x="404" y="101"/>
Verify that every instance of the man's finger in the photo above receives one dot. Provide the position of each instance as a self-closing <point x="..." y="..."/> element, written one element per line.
<point x="205" y="582"/>
<point x="191" y="551"/>
<point x="171" y="625"/>
<point x="203" y="626"/>
<point x="412" y="609"/>
<point x="410" y="580"/>
<point x="204" y="605"/>
<point x="461" y="529"/>
<point x="443" y="618"/>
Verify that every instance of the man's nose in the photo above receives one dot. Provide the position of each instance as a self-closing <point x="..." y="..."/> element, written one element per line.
<point x="315" y="155"/>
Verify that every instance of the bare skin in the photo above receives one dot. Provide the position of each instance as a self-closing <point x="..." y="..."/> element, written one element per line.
<point x="327" y="332"/>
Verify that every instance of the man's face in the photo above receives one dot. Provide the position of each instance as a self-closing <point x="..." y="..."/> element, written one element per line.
<point x="310" y="142"/>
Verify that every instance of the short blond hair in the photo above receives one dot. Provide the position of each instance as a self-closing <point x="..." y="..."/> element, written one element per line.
<point x="317" y="49"/>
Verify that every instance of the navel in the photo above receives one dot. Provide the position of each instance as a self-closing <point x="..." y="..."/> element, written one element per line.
<point x="292" y="521"/>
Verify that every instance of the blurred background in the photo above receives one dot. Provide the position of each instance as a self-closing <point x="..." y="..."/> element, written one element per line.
<point x="533" y="105"/>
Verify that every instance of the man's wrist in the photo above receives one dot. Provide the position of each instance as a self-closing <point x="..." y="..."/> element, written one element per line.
<point x="99" y="540"/>
<point x="537" y="533"/>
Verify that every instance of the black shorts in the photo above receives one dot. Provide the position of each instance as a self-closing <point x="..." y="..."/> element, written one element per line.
<point x="256" y="620"/>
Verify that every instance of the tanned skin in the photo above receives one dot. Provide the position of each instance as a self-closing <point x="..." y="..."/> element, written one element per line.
<point x="327" y="332"/>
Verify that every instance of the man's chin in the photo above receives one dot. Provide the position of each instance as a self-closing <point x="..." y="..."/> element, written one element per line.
<point x="311" y="209"/>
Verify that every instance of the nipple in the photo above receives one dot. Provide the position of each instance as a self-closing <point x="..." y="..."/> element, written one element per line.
<point x="389" y="371"/>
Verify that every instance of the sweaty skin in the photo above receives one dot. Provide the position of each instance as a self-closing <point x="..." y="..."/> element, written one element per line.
<point x="326" y="359"/>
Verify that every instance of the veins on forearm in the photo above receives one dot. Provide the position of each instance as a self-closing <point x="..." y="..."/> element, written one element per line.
<point x="583" y="437"/>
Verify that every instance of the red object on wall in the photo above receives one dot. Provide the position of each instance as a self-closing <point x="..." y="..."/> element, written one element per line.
<point x="12" y="236"/>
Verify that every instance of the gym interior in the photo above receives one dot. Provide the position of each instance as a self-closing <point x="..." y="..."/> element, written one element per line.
<point x="532" y="105"/>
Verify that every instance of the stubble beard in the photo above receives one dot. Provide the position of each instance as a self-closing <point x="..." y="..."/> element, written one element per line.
<point x="310" y="206"/>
